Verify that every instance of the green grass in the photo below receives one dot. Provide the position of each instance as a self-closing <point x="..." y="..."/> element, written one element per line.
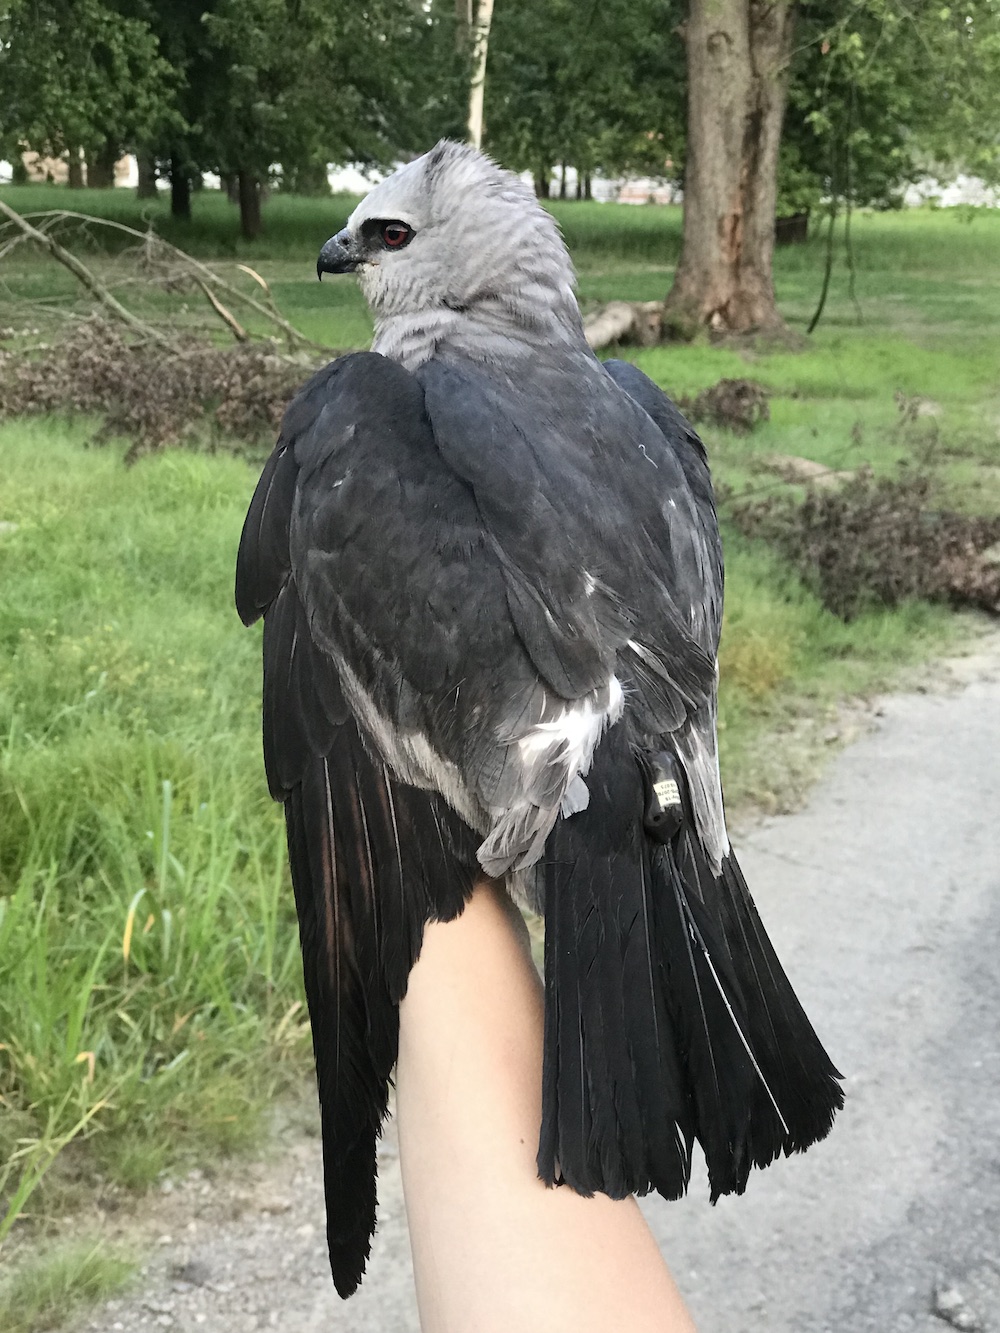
<point x="149" y="975"/>
<point x="150" y="998"/>
<point x="49" y="1288"/>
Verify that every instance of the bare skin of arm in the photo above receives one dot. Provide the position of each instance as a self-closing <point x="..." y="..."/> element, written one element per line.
<point x="495" y="1250"/>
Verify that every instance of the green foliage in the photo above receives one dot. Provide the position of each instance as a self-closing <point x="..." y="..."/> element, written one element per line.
<point x="46" y="1290"/>
<point x="599" y="89"/>
<point x="303" y="83"/>
<point x="879" y="89"/>
<point x="78" y="73"/>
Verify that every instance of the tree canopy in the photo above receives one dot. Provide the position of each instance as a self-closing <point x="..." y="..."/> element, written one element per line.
<point x="599" y="87"/>
<point x="879" y="90"/>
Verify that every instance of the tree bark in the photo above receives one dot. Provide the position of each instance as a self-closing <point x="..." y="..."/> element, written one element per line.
<point x="146" y="164"/>
<point x="479" y="36"/>
<point x="543" y="182"/>
<point x="180" y="191"/>
<point x="249" y="186"/>
<point x="75" y="180"/>
<point x="101" y="166"/>
<point x="738" y="53"/>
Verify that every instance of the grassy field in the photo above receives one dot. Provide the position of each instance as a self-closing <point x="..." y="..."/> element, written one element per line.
<point x="150" y="1001"/>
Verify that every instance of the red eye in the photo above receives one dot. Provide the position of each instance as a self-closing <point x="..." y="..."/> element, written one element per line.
<point x="395" y="235"/>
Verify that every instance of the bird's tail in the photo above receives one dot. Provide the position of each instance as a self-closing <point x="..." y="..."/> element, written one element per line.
<point x="668" y="1017"/>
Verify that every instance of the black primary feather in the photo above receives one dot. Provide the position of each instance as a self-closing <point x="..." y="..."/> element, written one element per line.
<point x="372" y="859"/>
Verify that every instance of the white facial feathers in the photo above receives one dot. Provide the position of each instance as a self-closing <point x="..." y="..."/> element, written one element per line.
<point x="483" y="253"/>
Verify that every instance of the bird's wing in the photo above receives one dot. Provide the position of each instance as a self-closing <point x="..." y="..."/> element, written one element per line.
<point x="596" y="494"/>
<point x="695" y="739"/>
<point x="408" y="589"/>
<point x="372" y="859"/>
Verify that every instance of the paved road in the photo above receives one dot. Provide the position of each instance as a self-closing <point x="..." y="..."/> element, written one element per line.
<point x="883" y="898"/>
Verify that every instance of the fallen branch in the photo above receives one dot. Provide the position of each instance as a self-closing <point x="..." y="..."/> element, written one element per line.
<point x="803" y="471"/>
<point x="85" y="277"/>
<point x="152" y="243"/>
<point x="235" y="327"/>
<point x="638" y="323"/>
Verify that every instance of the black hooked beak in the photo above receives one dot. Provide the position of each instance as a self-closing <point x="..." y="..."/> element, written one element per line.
<point x="339" y="255"/>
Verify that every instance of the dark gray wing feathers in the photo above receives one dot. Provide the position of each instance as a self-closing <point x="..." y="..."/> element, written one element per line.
<point x="454" y="567"/>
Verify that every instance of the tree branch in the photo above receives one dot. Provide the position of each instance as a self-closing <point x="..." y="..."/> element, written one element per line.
<point x="198" y="269"/>
<point x="85" y="277"/>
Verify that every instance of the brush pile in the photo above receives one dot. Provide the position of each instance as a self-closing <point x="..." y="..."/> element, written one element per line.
<point x="196" y="392"/>
<point x="876" y="541"/>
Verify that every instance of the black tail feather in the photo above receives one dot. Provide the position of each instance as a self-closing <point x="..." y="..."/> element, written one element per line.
<point x="616" y="1113"/>
<point x="668" y="1016"/>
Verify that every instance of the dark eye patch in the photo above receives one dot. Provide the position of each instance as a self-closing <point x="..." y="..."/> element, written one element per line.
<point x="386" y="234"/>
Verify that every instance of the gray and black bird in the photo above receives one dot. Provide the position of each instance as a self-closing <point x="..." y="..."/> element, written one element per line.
<point x="491" y="580"/>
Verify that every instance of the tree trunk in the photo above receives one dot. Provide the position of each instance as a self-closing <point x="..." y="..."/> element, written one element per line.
<point x="180" y="191"/>
<point x="75" y="180"/>
<point x="543" y="179"/>
<point x="146" y="164"/>
<point x="249" y="186"/>
<point x="101" y="166"/>
<point x="738" y="52"/>
<point x="477" y="86"/>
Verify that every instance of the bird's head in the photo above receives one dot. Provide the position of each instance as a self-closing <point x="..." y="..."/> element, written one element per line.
<point x="452" y="232"/>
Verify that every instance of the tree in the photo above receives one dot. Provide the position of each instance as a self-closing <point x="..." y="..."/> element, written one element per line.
<point x="883" y="89"/>
<point x="475" y="18"/>
<point x="595" y="89"/>
<point x="738" y="56"/>
<point x="77" y="73"/>
<point x="877" y="89"/>
<point x="309" y="82"/>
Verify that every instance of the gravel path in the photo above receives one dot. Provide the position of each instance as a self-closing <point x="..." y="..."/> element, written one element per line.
<point x="883" y="898"/>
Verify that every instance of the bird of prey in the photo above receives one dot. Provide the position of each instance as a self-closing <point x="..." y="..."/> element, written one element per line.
<point x="491" y="581"/>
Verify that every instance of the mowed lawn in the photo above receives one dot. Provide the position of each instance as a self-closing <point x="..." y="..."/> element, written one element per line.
<point x="150" y="997"/>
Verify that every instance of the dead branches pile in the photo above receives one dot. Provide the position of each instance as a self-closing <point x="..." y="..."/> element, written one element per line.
<point x="197" y="391"/>
<point x="879" y="541"/>
<point x="152" y="380"/>
<point x="736" y="405"/>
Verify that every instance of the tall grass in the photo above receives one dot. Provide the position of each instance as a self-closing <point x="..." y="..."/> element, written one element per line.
<point x="149" y="979"/>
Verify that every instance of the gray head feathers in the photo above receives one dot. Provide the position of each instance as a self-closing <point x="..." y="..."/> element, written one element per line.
<point x="484" y="261"/>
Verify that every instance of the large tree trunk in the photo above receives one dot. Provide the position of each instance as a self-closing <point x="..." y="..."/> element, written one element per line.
<point x="738" y="52"/>
<point x="75" y="181"/>
<point x="101" y="166"/>
<point x="146" y="165"/>
<point x="249" y="205"/>
<point x="180" y="191"/>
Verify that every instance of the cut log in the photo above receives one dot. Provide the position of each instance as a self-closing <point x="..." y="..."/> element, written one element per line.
<point x="635" y="323"/>
<point x="802" y="471"/>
